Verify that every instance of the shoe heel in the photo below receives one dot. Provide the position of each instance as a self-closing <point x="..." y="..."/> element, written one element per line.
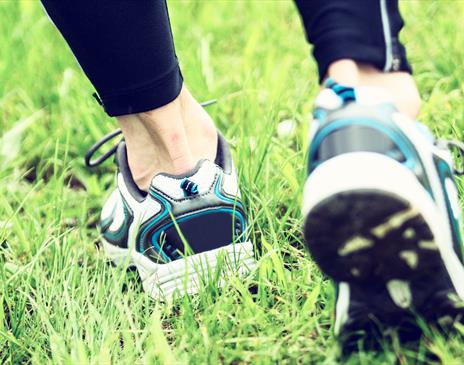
<point x="367" y="218"/>
<point x="188" y="275"/>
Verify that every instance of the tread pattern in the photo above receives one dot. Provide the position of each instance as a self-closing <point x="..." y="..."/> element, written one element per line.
<point x="368" y="238"/>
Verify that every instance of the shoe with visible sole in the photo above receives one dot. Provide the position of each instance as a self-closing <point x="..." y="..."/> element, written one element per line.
<point x="187" y="230"/>
<point x="381" y="214"/>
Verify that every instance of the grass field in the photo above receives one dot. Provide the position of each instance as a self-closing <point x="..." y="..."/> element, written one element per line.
<point x="61" y="301"/>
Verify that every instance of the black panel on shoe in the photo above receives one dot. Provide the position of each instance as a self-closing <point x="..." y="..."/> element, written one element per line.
<point x="189" y="206"/>
<point x="362" y="138"/>
<point x="354" y="110"/>
<point x="123" y="166"/>
<point x="204" y="232"/>
<point x="356" y="138"/>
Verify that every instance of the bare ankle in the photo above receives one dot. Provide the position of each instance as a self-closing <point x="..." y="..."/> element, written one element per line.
<point x="400" y="85"/>
<point x="345" y="72"/>
<point x="169" y="139"/>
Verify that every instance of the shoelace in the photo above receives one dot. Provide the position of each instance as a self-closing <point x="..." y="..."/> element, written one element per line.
<point x="89" y="162"/>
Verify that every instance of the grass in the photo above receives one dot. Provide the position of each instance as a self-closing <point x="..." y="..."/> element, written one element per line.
<point x="62" y="302"/>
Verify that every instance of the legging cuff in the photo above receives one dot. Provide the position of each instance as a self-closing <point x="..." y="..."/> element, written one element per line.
<point x="340" y="46"/>
<point x="150" y="96"/>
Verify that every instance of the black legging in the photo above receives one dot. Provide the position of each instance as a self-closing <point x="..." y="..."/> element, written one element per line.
<point x="126" y="49"/>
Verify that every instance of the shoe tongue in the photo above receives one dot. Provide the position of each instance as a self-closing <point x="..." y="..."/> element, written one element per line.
<point x="199" y="180"/>
<point x="335" y="95"/>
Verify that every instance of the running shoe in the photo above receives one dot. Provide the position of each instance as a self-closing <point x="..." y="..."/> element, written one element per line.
<point x="381" y="213"/>
<point x="186" y="231"/>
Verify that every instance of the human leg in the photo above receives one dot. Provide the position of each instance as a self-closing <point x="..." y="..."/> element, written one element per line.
<point x="126" y="49"/>
<point x="176" y="212"/>
<point x="356" y="43"/>
<point x="378" y="201"/>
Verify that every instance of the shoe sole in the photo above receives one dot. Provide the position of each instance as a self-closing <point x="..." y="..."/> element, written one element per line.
<point x="378" y="226"/>
<point x="363" y="236"/>
<point x="188" y="275"/>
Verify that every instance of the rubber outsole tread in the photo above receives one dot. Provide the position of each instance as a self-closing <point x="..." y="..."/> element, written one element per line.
<point x="365" y="216"/>
<point x="368" y="238"/>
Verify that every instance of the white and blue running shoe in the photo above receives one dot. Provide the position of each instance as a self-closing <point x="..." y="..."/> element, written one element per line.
<point x="381" y="213"/>
<point x="185" y="231"/>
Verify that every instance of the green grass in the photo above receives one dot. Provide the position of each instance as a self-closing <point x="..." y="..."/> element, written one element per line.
<point x="62" y="302"/>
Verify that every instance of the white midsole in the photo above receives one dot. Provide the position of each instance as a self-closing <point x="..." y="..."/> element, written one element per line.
<point x="185" y="275"/>
<point x="372" y="171"/>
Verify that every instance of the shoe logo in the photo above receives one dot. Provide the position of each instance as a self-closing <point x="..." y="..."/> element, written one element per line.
<point x="189" y="187"/>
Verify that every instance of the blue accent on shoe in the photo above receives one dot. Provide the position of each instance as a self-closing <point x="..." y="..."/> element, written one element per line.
<point x="122" y="231"/>
<point x="320" y="114"/>
<point x="105" y="223"/>
<point x="444" y="172"/>
<point x="346" y="93"/>
<point x="235" y="202"/>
